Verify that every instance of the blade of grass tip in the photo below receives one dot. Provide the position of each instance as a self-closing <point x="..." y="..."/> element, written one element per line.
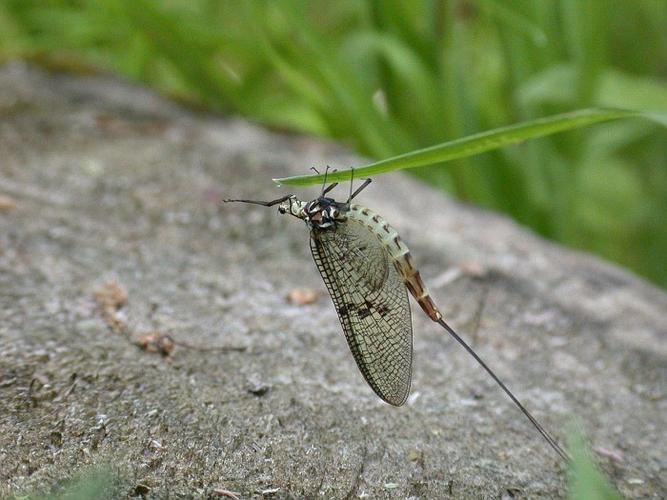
<point x="479" y="143"/>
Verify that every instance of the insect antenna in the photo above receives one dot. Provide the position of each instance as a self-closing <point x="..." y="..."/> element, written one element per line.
<point x="552" y="442"/>
<point x="263" y="203"/>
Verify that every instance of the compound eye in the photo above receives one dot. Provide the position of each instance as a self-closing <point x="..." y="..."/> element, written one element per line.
<point x="282" y="210"/>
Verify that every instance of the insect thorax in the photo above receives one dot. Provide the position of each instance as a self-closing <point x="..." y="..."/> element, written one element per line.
<point x="321" y="213"/>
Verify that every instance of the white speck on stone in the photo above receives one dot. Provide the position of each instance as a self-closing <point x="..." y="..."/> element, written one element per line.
<point x="414" y="397"/>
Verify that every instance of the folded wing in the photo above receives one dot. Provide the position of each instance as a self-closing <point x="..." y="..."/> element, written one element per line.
<point x="372" y="305"/>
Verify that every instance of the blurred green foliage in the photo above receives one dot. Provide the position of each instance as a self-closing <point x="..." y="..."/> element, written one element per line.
<point x="392" y="76"/>
<point x="96" y="482"/>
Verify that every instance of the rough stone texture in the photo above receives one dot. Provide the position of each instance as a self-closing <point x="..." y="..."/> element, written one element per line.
<point x="112" y="183"/>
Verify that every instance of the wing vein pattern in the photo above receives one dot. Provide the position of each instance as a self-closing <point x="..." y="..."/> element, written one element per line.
<point x="372" y="305"/>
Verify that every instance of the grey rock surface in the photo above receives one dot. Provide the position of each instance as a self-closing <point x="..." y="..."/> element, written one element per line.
<point x="105" y="182"/>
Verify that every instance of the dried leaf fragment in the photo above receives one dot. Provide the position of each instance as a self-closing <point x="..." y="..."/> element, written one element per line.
<point x="302" y="296"/>
<point x="111" y="295"/>
<point x="157" y="342"/>
<point x="7" y="204"/>
<point x="110" y="298"/>
<point x="473" y="269"/>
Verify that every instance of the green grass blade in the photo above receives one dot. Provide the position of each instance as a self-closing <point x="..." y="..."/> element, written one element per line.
<point x="478" y="143"/>
<point x="587" y="482"/>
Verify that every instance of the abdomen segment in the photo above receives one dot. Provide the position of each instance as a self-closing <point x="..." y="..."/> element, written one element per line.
<point x="399" y="254"/>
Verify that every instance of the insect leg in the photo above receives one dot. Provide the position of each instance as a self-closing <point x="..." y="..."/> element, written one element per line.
<point x="324" y="183"/>
<point x="325" y="191"/>
<point x="361" y="188"/>
<point x="329" y="188"/>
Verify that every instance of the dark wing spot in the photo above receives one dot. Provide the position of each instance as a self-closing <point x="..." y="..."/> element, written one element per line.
<point x="382" y="309"/>
<point x="368" y="307"/>
<point x="363" y="313"/>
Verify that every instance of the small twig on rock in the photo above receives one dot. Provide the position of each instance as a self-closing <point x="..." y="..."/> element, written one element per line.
<point x="111" y="298"/>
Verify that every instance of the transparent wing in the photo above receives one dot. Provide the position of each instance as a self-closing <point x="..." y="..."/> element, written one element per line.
<point x="372" y="305"/>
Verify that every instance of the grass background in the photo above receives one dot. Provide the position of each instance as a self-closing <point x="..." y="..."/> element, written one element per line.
<point x="388" y="77"/>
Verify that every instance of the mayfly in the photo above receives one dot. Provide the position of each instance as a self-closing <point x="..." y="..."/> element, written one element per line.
<point x="368" y="270"/>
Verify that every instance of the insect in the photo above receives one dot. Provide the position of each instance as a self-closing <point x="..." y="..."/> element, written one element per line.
<point x="368" y="271"/>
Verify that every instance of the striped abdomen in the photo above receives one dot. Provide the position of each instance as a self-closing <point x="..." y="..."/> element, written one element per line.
<point x="399" y="255"/>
